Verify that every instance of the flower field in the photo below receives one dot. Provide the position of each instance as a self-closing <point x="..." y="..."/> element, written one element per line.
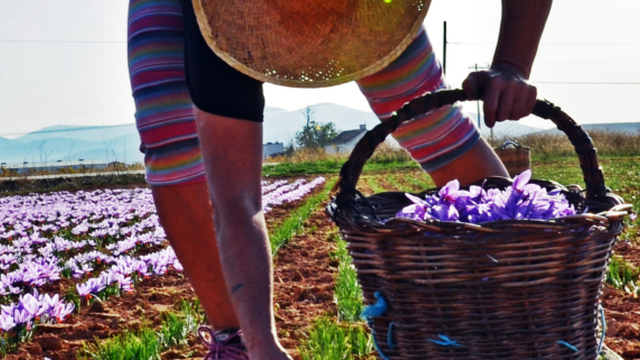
<point x="89" y="246"/>
<point x="78" y="269"/>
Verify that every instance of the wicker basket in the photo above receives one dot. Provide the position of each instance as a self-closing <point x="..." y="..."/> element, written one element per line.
<point x="509" y="289"/>
<point x="515" y="157"/>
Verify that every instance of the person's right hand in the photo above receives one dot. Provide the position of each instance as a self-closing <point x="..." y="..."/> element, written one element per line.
<point x="506" y="93"/>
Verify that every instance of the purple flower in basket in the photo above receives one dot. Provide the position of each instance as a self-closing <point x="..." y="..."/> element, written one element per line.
<point x="415" y="211"/>
<point x="521" y="201"/>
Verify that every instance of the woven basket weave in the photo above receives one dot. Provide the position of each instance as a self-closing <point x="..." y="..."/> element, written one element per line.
<point x="515" y="157"/>
<point x="509" y="289"/>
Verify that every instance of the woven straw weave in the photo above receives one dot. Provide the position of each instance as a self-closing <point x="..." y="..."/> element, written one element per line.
<point x="309" y="43"/>
<point x="515" y="157"/>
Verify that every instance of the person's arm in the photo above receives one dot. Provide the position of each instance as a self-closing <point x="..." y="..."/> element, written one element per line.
<point x="507" y="94"/>
<point x="232" y="152"/>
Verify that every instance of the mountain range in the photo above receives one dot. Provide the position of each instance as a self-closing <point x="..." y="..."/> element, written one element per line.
<point x="99" y="144"/>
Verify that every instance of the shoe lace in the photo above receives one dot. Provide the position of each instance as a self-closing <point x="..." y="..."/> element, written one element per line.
<point x="221" y="349"/>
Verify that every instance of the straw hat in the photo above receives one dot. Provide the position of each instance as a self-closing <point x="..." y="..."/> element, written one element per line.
<point x="309" y="43"/>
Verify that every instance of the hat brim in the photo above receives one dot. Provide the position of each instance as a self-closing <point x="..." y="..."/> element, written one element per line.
<point x="303" y="48"/>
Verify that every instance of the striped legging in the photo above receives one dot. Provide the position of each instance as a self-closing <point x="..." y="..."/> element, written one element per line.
<point x="164" y="112"/>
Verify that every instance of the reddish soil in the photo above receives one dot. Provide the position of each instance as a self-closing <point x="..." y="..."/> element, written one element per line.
<point x="622" y="311"/>
<point x="304" y="281"/>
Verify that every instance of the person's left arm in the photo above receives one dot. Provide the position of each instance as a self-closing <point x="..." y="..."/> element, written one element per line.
<point x="507" y="93"/>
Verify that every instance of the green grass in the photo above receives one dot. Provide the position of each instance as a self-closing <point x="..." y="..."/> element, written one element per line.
<point x="345" y="337"/>
<point x="348" y="291"/>
<point x="147" y="343"/>
<point x="295" y="222"/>
<point x="372" y="182"/>
<point x="332" y="166"/>
<point x="621" y="174"/>
<point x="328" y="340"/>
<point x="142" y="344"/>
<point x="623" y="276"/>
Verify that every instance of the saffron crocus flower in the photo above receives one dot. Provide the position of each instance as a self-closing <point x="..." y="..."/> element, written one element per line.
<point x="21" y="316"/>
<point x="521" y="201"/>
<point x="6" y="322"/>
<point x="32" y="305"/>
<point x="61" y="311"/>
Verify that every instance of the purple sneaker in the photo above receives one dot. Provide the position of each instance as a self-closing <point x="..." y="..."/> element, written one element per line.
<point x="223" y="345"/>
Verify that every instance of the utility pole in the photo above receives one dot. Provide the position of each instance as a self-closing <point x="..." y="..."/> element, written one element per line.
<point x="475" y="68"/>
<point x="444" y="50"/>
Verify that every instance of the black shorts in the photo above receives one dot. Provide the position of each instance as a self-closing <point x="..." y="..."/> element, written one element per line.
<point x="214" y="86"/>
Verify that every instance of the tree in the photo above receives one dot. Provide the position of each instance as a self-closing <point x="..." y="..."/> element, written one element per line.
<point x="315" y="135"/>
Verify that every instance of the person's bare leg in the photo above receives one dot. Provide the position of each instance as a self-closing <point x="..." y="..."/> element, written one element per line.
<point x="232" y="154"/>
<point x="476" y="164"/>
<point x="187" y="217"/>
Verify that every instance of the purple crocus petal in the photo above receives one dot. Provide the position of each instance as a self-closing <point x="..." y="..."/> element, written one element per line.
<point x="475" y="192"/>
<point x="61" y="311"/>
<point x="445" y="212"/>
<point x="415" y="212"/>
<point x="21" y="316"/>
<point x="83" y="289"/>
<point x="449" y="192"/>
<point x="31" y="305"/>
<point x="416" y="200"/>
<point x="521" y="180"/>
<point x="6" y="322"/>
<point x="8" y="309"/>
<point x="532" y="188"/>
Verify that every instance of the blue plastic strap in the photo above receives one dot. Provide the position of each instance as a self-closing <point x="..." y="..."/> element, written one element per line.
<point x="575" y="349"/>
<point x="390" y="343"/>
<point x="379" y="308"/>
<point x="375" y="344"/>
<point x="604" y="328"/>
<point x="445" y="341"/>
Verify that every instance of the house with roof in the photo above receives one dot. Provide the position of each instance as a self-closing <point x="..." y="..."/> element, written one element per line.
<point x="345" y="141"/>
<point x="272" y="149"/>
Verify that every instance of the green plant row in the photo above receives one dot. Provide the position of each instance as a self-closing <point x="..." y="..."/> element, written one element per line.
<point x="344" y="337"/>
<point x="623" y="276"/>
<point x="294" y="223"/>
<point x="331" y="340"/>
<point x="147" y="343"/>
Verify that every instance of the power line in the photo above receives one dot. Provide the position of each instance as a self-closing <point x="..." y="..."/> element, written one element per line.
<point x="546" y="44"/>
<point x="585" y="83"/>
<point x="64" y="41"/>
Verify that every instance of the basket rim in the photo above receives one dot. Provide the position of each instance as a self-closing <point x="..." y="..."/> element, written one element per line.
<point x="354" y="211"/>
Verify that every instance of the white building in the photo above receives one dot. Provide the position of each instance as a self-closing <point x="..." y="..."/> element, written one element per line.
<point x="270" y="149"/>
<point x="345" y="141"/>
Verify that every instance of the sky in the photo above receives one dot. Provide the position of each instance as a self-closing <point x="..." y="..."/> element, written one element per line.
<point x="65" y="61"/>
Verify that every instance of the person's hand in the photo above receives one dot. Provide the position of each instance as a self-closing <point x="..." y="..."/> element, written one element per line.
<point x="506" y="93"/>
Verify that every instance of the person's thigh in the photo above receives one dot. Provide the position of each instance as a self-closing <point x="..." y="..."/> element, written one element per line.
<point x="216" y="87"/>
<point x="164" y="111"/>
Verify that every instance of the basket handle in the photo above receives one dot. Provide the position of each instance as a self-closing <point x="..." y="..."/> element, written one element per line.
<point x="351" y="170"/>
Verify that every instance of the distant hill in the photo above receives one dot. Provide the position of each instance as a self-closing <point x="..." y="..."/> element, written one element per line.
<point x="507" y="129"/>
<point x="121" y="142"/>
<point x="5" y="142"/>
<point x="632" y="128"/>
<point x="281" y="125"/>
<point x="50" y="150"/>
<point x="85" y="133"/>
